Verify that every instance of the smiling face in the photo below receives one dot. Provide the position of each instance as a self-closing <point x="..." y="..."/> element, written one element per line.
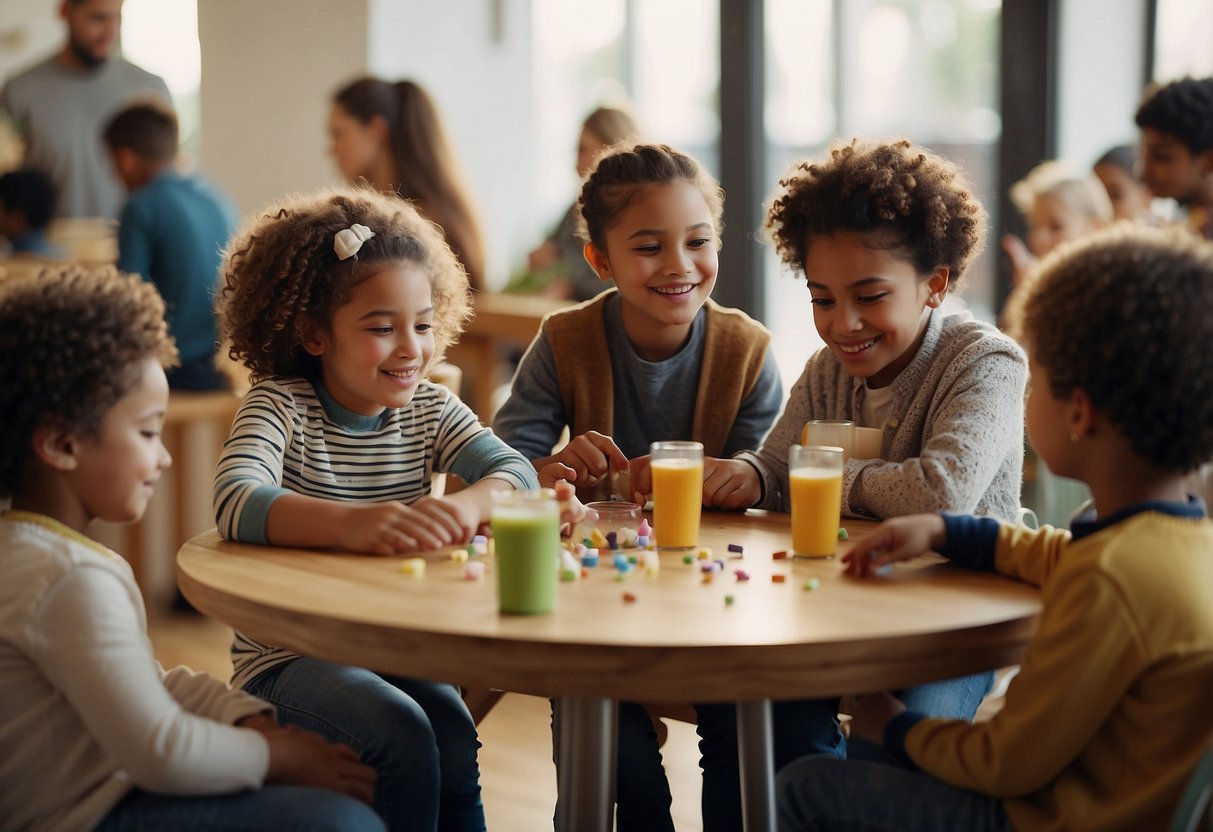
<point x="870" y="305"/>
<point x="379" y="344"/>
<point x="661" y="253"/>
<point x="116" y="469"/>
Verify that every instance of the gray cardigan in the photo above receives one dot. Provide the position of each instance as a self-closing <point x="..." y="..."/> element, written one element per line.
<point x="954" y="438"/>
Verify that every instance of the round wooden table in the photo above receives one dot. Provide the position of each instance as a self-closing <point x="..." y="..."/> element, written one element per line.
<point x="678" y="641"/>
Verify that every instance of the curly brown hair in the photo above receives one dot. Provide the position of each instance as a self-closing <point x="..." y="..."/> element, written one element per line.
<point x="1126" y="315"/>
<point x="282" y="277"/>
<point x="903" y="198"/>
<point x="623" y="170"/>
<point x="71" y="342"/>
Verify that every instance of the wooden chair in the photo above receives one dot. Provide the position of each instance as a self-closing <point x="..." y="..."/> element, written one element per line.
<point x="1197" y="797"/>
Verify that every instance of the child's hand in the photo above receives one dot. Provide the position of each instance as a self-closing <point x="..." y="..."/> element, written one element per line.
<point x="572" y="510"/>
<point x="872" y="715"/>
<point x="640" y="473"/>
<point x="392" y="528"/>
<point x="730" y="484"/>
<point x="900" y="538"/>
<point x="592" y="456"/>
<point x="301" y="758"/>
<point x="1021" y="258"/>
<point x="554" y="473"/>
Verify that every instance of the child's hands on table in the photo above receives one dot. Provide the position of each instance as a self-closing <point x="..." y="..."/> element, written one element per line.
<point x="899" y="538"/>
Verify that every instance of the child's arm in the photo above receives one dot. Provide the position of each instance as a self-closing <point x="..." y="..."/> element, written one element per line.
<point x="533" y="417"/>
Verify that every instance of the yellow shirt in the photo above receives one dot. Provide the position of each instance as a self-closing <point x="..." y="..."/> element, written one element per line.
<point x="1113" y="706"/>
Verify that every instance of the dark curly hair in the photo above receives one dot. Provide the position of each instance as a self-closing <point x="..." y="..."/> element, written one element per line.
<point x="1183" y="109"/>
<point x="623" y="170"/>
<point x="903" y="198"/>
<point x="71" y="342"/>
<point x="282" y="277"/>
<point x="1126" y="315"/>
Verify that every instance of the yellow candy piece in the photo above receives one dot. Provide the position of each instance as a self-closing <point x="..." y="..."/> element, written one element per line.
<point x="705" y="554"/>
<point x="459" y="555"/>
<point x="413" y="566"/>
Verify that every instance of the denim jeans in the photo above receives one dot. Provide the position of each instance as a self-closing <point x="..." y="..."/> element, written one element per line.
<point x="825" y="793"/>
<point x="297" y="808"/>
<point x="800" y="727"/>
<point x="642" y="792"/>
<point x="418" y="736"/>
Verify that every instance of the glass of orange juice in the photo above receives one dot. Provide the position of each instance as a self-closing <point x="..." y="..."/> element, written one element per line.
<point x="677" y="471"/>
<point x="815" y="478"/>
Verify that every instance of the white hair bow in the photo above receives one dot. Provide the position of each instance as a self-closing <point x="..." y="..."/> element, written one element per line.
<point x="349" y="240"/>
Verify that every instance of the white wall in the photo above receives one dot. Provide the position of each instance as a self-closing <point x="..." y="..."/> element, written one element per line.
<point x="1101" y="76"/>
<point x="478" y="70"/>
<point x="268" y="71"/>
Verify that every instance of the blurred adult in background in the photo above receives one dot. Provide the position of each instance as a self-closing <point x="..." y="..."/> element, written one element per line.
<point x="27" y="202"/>
<point x="1117" y="170"/>
<point x="391" y="135"/>
<point x="60" y="106"/>
<point x="557" y="267"/>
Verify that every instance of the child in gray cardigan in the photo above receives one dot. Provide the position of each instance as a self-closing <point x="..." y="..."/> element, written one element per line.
<point x="882" y="232"/>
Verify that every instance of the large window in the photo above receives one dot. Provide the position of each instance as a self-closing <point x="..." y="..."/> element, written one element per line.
<point x="162" y="37"/>
<point x="1183" y="30"/>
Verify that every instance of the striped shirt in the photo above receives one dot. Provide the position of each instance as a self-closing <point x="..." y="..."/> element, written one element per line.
<point x="291" y="436"/>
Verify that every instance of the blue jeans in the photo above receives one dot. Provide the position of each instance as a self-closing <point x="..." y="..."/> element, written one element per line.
<point x="642" y="792"/>
<point x="297" y="808"/>
<point x="825" y="793"/>
<point x="417" y="735"/>
<point x="807" y="726"/>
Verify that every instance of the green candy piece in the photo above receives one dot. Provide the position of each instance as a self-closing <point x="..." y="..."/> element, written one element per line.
<point x="842" y="533"/>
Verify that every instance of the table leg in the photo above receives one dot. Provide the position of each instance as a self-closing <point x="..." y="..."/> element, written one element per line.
<point x="585" y="764"/>
<point x="756" y="753"/>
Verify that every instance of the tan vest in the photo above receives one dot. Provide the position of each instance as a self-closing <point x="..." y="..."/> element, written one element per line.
<point x="735" y="346"/>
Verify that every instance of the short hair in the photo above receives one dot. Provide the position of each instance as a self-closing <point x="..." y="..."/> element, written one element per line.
<point x="149" y="130"/>
<point x="1083" y="193"/>
<point x="282" y="278"/>
<point x="1123" y="156"/>
<point x="1126" y="315"/>
<point x="623" y="171"/>
<point x="611" y="125"/>
<point x="71" y="341"/>
<point x="1183" y="109"/>
<point x="903" y="198"/>
<point x="32" y="193"/>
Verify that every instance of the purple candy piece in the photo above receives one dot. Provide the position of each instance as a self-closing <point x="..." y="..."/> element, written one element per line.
<point x="612" y="540"/>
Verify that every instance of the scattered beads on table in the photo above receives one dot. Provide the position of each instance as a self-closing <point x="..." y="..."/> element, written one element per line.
<point x="736" y="547"/>
<point x="688" y="559"/>
<point x="473" y="570"/>
<point x="742" y="575"/>
<point x="728" y="600"/>
<point x="811" y="584"/>
<point x="778" y="579"/>
<point x="780" y="555"/>
<point x="459" y="555"/>
<point x="629" y="598"/>
<point x="842" y="533"/>
<point x="413" y="566"/>
<point x="644" y="529"/>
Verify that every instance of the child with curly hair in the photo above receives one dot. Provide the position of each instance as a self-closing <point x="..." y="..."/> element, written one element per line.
<point x="96" y="735"/>
<point x="1110" y="714"/>
<point x="882" y="232"/>
<point x="1176" y="122"/>
<point x="338" y="302"/>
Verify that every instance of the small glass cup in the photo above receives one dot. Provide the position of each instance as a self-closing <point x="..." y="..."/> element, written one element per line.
<point x="526" y="542"/>
<point x="613" y="516"/>
<point x="837" y="433"/>
<point x="677" y="471"/>
<point x="815" y="485"/>
<point x="866" y="443"/>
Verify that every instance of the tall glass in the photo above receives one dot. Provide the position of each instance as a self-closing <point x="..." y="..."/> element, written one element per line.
<point x="838" y="433"/>
<point x="526" y="542"/>
<point x="677" y="471"/>
<point x="815" y="478"/>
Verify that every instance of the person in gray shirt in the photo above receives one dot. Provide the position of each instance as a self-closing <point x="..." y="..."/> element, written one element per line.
<point x="60" y="106"/>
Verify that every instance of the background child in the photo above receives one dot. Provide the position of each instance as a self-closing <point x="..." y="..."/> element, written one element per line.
<point x="172" y="231"/>
<point x="27" y="203"/>
<point x="1176" y="124"/>
<point x="95" y="734"/>
<point x="338" y="303"/>
<point x="1110" y="713"/>
<point x="557" y="267"/>
<point x="1117" y="171"/>
<point x="1059" y="206"/>
<point x="653" y="359"/>
<point x="882" y="232"/>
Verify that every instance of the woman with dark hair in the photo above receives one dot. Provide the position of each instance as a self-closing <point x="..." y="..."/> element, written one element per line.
<point x="391" y="135"/>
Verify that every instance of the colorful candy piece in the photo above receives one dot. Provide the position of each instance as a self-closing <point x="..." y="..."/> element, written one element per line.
<point x="567" y="575"/>
<point x="778" y="579"/>
<point x="598" y="541"/>
<point x="707" y="577"/>
<point x="628" y="537"/>
<point x="842" y="533"/>
<point x="479" y="538"/>
<point x="728" y="600"/>
<point x="704" y="554"/>
<point x="459" y="555"/>
<point x="736" y="547"/>
<point x="413" y="566"/>
<point x="811" y="584"/>
<point x="642" y="541"/>
<point x="568" y="563"/>
<point x="590" y="560"/>
<point x="742" y="575"/>
<point x="780" y="555"/>
<point x="629" y="598"/>
<point x="688" y="559"/>
<point x="612" y="539"/>
<point x="621" y="561"/>
<point x="473" y="570"/>
<point x="644" y="529"/>
<point x="882" y="571"/>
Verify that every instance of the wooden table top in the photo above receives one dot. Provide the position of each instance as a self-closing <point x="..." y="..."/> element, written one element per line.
<point x="677" y="642"/>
